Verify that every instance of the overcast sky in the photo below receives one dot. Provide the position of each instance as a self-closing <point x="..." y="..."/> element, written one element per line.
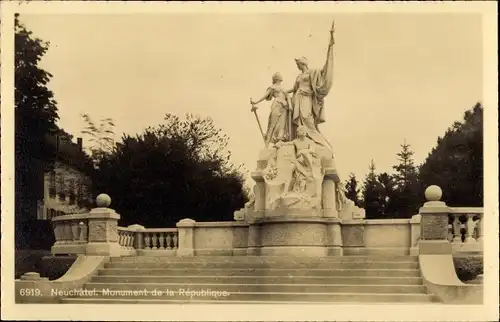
<point x="396" y="76"/>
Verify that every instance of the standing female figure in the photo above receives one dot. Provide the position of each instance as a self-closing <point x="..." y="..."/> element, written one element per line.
<point x="310" y="89"/>
<point x="278" y="127"/>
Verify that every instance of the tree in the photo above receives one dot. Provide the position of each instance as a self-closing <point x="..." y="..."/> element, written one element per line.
<point x="100" y="137"/>
<point x="178" y="169"/>
<point x="388" y="194"/>
<point x="456" y="162"/>
<point x="372" y="194"/>
<point x="352" y="190"/>
<point x="408" y="193"/>
<point x="35" y="118"/>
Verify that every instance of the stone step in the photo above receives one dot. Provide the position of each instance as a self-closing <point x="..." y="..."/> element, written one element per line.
<point x="259" y="272"/>
<point x="262" y="259"/>
<point x="306" y="265"/>
<point x="287" y="279"/>
<point x="254" y="288"/>
<point x="267" y="298"/>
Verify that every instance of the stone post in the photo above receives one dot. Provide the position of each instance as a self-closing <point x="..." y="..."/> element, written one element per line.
<point x="415" y="234"/>
<point x="185" y="228"/>
<point x="139" y="236"/>
<point x="434" y="224"/>
<point x="260" y="191"/>
<point x="329" y="197"/>
<point x="103" y="229"/>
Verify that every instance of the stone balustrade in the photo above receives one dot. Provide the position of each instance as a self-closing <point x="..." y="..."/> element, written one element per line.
<point x="161" y="238"/>
<point x="82" y="233"/>
<point x="465" y="231"/>
<point x="71" y="234"/>
<point x="126" y="239"/>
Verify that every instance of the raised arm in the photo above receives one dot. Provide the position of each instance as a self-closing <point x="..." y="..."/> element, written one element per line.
<point x="329" y="54"/>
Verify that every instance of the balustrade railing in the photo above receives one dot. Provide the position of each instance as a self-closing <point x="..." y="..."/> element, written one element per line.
<point x="126" y="238"/>
<point x="160" y="238"/>
<point x="465" y="229"/>
<point x="71" y="234"/>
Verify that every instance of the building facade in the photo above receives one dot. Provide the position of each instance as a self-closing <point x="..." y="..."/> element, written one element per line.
<point x="67" y="186"/>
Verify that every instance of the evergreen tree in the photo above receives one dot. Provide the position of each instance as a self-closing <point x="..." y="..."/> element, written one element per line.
<point x="408" y="192"/>
<point x="456" y="163"/>
<point x="372" y="194"/>
<point x="388" y="197"/>
<point x="352" y="190"/>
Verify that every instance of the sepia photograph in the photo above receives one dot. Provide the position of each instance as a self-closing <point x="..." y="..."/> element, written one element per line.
<point x="259" y="157"/>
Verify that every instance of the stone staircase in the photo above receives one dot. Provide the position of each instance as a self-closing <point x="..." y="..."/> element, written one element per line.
<point x="251" y="279"/>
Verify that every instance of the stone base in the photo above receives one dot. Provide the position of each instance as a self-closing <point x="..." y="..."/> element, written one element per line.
<point x="335" y="251"/>
<point x="253" y="251"/>
<point x="240" y="251"/>
<point x="188" y="252"/>
<point x="300" y="251"/>
<point x="296" y="236"/>
<point x="103" y="249"/>
<point x="66" y="249"/>
<point x="435" y="247"/>
<point x="376" y="251"/>
<point x="157" y="252"/>
<point x="213" y="252"/>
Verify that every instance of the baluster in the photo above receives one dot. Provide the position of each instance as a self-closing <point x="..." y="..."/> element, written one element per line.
<point x="57" y="231"/>
<point x="128" y="238"/>
<point x="169" y="240"/>
<point x="161" y="240"/>
<point x="81" y="227"/>
<point x="457" y="234"/>
<point x="469" y="225"/>
<point x="120" y="237"/>
<point x="74" y="231"/>
<point x="450" y="233"/>
<point x="154" y="240"/>
<point x="67" y="232"/>
<point x="147" y="240"/>
<point x="176" y="240"/>
<point x="132" y="239"/>
<point x="479" y="226"/>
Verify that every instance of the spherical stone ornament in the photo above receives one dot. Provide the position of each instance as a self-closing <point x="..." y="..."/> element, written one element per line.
<point x="433" y="193"/>
<point x="103" y="200"/>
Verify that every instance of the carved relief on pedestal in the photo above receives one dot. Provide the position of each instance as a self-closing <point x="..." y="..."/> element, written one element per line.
<point x="102" y="231"/>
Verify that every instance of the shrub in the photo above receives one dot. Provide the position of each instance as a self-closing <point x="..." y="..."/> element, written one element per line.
<point x="468" y="268"/>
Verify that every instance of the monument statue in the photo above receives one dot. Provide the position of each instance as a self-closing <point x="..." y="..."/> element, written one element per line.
<point x="296" y="173"/>
<point x="298" y="205"/>
<point x="279" y="124"/>
<point x="303" y="162"/>
<point x="309" y="91"/>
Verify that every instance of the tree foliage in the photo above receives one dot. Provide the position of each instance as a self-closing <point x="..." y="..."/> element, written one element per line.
<point x="178" y="169"/>
<point x="100" y="137"/>
<point x="407" y="195"/>
<point x="352" y="190"/>
<point x="373" y="198"/>
<point x="456" y="162"/>
<point x="35" y="118"/>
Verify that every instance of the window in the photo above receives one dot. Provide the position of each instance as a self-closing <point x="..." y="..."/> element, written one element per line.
<point x="52" y="184"/>
<point x="71" y="191"/>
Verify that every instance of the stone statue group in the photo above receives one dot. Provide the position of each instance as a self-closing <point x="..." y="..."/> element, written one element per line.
<point x="304" y="110"/>
<point x="294" y="120"/>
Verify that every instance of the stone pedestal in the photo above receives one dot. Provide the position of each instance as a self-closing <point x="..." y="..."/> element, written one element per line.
<point x="103" y="233"/>
<point x="288" y="236"/>
<point x="295" y="214"/>
<point x="434" y="224"/>
<point x="185" y="229"/>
